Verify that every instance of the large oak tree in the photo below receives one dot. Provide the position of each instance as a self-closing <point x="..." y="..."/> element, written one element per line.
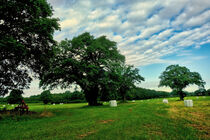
<point x="26" y="40"/>
<point x="85" y="61"/>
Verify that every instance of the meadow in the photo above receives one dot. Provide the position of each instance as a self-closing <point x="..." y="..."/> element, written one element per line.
<point x="142" y="119"/>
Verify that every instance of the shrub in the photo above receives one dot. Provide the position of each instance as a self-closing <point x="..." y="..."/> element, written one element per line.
<point x="46" y="96"/>
<point x="15" y="96"/>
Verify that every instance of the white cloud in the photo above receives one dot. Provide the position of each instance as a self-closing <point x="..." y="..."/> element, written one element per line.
<point x="69" y="23"/>
<point x="151" y="30"/>
<point x="165" y="34"/>
<point x="172" y="8"/>
<point x="98" y="13"/>
<point x="199" y="20"/>
<point x="145" y="31"/>
<point x="117" y="38"/>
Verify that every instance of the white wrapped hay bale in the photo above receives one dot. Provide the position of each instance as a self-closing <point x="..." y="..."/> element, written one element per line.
<point x="165" y="101"/>
<point x="188" y="103"/>
<point x="113" y="103"/>
<point x="133" y="101"/>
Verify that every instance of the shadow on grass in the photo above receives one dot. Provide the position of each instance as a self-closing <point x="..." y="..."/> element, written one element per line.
<point x="91" y="107"/>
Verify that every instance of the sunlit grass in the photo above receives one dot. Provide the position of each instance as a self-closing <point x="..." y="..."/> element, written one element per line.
<point x="142" y="119"/>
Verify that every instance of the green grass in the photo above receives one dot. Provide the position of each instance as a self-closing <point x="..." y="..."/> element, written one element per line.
<point x="140" y="120"/>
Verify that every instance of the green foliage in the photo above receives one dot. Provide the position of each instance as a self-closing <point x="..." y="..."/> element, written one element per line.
<point x="74" y="96"/>
<point x="208" y="92"/>
<point x="177" y="78"/>
<point x="15" y="96"/>
<point x="200" y="92"/>
<point x="68" y="97"/>
<point x="33" y="99"/>
<point x="26" y="31"/>
<point x="46" y="97"/>
<point x="175" y="93"/>
<point x="129" y="76"/>
<point x="142" y="93"/>
<point x="3" y="100"/>
<point x="85" y="61"/>
<point x="120" y="80"/>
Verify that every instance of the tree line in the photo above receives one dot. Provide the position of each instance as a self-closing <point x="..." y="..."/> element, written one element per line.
<point x="137" y="93"/>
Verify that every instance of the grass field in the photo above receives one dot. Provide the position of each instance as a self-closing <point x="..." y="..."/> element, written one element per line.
<point x="147" y="119"/>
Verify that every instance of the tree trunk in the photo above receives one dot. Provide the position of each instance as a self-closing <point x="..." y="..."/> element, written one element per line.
<point x="181" y="95"/>
<point x="91" y="96"/>
<point x="124" y="98"/>
<point x="123" y="94"/>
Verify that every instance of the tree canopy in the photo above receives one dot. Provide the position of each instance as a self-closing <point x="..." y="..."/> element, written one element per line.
<point x="15" y="96"/>
<point x="126" y="78"/>
<point x="85" y="61"/>
<point x="46" y="97"/>
<point x="178" y="77"/>
<point x="26" y="30"/>
<point x="208" y="92"/>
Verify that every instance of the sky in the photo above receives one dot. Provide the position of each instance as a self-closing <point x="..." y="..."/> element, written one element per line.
<point x="152" y="34"/>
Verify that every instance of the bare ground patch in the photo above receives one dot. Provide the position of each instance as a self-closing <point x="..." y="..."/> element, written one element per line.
<point x="86" y="134"/>
<point x="46" y="114"/>
<point x="105" y="121"/>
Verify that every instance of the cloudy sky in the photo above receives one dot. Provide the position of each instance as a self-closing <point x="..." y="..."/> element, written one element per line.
<point x="152" y="34"/>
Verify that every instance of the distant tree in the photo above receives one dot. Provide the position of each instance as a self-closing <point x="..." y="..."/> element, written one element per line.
<point x="142" y="93"/>
<point x="26" y="40"/>
<point x="15" y="96"/>
<point x="200" y="92"/>
<point x="208" y="92"/>
<point x="84" y="61"/>
<point x="127" y="78"/>
<point x="46" y="97"/>
<point x="174" y="93"/>
<point x="177" y="78"/>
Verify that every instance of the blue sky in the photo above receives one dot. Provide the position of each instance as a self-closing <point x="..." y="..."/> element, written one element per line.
<point x="151" y="34"/>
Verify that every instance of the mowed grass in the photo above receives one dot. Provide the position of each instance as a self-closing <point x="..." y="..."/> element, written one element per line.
<point x="147" y="119"/>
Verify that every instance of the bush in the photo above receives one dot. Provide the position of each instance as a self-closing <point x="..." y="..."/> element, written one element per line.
<point x="46" y="97"/>
<point x="3" y="100"/>
<point x="15" y="96"/>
